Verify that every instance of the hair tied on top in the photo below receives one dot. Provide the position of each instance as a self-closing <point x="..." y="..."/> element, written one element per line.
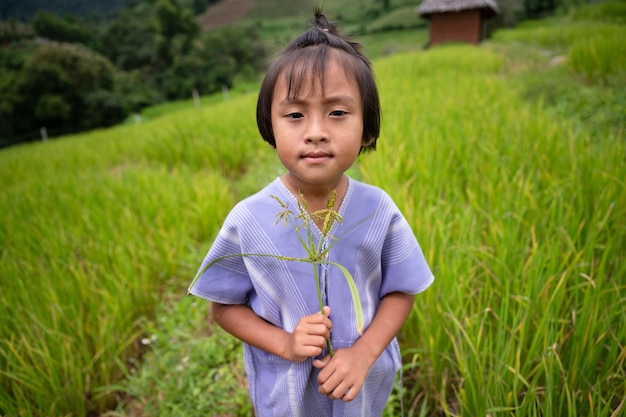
<point x="322" y="22"/>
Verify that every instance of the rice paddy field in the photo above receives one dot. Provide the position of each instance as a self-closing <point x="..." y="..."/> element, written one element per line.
<point x="508" y="160"/>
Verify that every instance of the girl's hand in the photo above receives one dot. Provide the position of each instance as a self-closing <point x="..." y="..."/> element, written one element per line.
<point x="342" y="375"/>
<point x="309" y="337"/>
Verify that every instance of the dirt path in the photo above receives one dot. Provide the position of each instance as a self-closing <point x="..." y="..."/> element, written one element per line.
<point x="225" y="12"/>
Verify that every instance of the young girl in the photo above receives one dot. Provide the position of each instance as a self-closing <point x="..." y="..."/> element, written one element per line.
<point x="318" y="107"/>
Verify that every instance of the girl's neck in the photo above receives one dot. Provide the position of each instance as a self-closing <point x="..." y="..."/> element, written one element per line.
<point x="317" y="197"/>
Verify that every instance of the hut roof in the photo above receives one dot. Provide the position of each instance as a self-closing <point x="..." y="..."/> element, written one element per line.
<point x="429" y="7"/>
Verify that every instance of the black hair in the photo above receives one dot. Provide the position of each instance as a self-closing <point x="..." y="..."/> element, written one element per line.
<point x="307" y="54"/>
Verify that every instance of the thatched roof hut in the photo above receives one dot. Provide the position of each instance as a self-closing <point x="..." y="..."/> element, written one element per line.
<point x="457" y="20"/>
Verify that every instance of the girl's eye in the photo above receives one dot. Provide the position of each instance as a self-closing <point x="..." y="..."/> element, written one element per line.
<point x="295" y="115"/>
<point x="338" y="113"/>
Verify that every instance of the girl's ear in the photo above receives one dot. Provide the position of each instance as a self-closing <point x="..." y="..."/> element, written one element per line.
<point x="367" y="142"/>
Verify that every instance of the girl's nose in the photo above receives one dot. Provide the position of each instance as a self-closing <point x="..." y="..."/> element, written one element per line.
<point x="316" y="130"/>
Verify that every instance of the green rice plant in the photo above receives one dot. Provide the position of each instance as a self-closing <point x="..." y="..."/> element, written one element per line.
<point x="93" y="228"/>
<point x="602" y="58"/>
<point x="203" y="138"/>
<point x="607" y="11"/>
<point x="521" y="217"/>
<point x="550" y="78"/>
<point x="592" y="37"/>
<point x="81" y="281"/>
<point x="169" y="107"/>
<point x="317" y="252"/>
<point x="561" y="35"/>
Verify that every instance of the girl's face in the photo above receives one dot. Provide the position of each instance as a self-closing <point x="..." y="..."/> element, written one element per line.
<point x="319" y="133"/>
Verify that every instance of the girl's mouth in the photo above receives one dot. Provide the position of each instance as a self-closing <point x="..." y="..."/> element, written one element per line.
<point x="316" y="157"/>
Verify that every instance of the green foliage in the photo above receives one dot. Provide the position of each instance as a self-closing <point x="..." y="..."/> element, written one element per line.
<point x="192" y="367"/>
<point x="400" y="18"/>
<point x="191" y="72"/>
<point x="198" y="6"/>
<point x="269" y="9"/>
<point x="609" y="12"/>
<point x="12" y="32"/>
<point x="11" y="59"/>
<point x="365" y="11"/>
<point x="392" y="42"/>
<point x="157" y="45"/>
<point x="519" y="214"/>
<point x="129" y="39"/>
<point x="52" y="109"/>
<point x="539" y="8"/>
<point x="601" y="58"/>
<point x="64" y="29"/>
<point x="94" y="227"/>
<point x="554" y="72"/>
<point x="554" y="36"/>
<point x="164" y="43"/>
<point x="176" y="30"/>
<point x="215" y="61"/>
<point x="102" y="108"/>
<point x="65" y="83"/>
<point x="137" y="93"/>
<point x="600" y="108"/>
<point x="10" y="62"/>
<point x="594" y="48"/>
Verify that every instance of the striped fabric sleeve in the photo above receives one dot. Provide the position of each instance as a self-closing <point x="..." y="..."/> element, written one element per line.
<point x="404" y="267"/>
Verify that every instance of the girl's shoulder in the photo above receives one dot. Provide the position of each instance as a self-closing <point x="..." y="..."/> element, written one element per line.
<point x="368" y="195"/>
<point x="362" y="187"/>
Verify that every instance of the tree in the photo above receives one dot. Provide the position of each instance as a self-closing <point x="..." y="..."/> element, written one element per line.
<point x="177" y="28"/>
<point x="63" y="85"/>
<point x="8" y="101"/>
<point x="11" y="33"/>
<point x="159" y="51"/>
<point x="535" y="9"/>
<point x="64" y="29"/>
<point x="102" y="108"/>
<point x="52" y="110"/>
<point x="214" y="62"/>
<point x="129" y="40"/>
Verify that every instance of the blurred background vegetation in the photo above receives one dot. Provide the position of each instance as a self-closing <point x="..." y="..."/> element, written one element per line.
<point x="75" y="66"/>
<point x="507" y="160"/>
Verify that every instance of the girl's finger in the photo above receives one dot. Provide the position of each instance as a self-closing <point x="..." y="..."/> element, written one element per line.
<point x="321" y="363"/>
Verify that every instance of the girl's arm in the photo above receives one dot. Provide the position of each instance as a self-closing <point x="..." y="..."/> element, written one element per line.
<point x="343" y="375"/>
<point x="308" y="338"/>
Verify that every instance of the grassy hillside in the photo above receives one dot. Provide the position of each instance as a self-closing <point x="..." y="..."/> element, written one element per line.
<point x="523" y="225"/>
<point x="280" y="20"/>
<point x="513" y="186"/>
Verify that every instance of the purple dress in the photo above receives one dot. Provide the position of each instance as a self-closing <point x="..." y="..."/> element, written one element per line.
<point x="374" y="242"/>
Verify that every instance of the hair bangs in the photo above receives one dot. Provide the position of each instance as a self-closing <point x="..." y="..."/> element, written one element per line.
<point x="304" y="66"/>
